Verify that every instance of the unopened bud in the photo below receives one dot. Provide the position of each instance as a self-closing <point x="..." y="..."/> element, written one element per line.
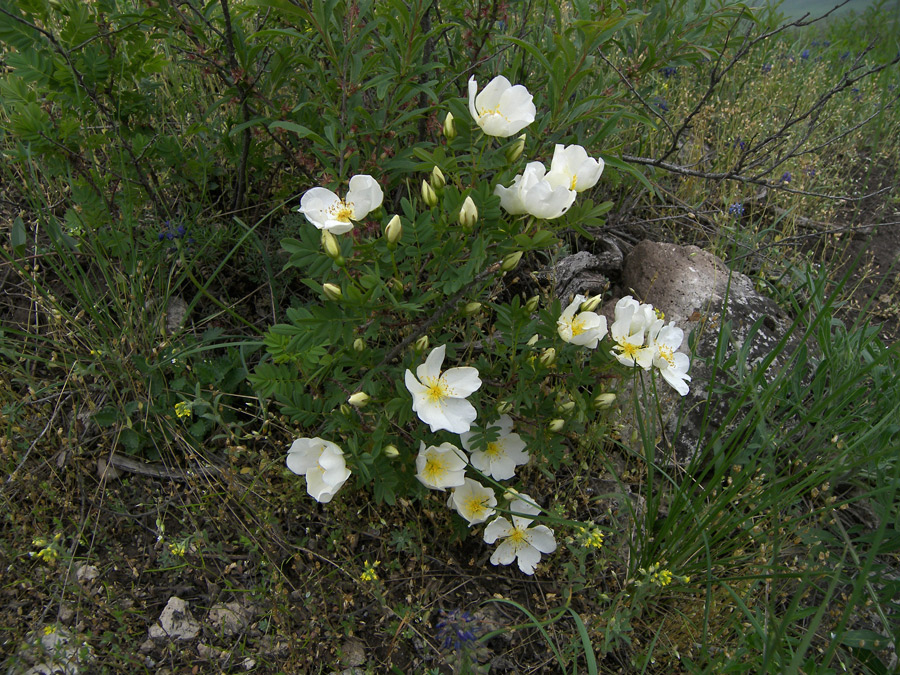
<point x="471" y="309"/>
<point x="359" y="399"/>
<point x="422" y="343"/>
<point x="533" y="303"/>
<point x="468" y="214"/>
<point x="437" y="178"/>
<point x="390" y="451"/>
<point x="532" y="341"/>
<point x="591" y="304"/>
<point x="565" y="408"/>
<point x="510" y="494"/>
<point x="332" y="292"/>
<point x="604" y="401"/>
<point x="429" y="196"/>
<point x="449" y="127"/>
<point x="393" y="230"/>
<point x="331" y="246"/>
<point x="504" y="407"/>
<point x="556" y="426"/>
<point x="510" y="261"/>
<point x="548" y="357"/>
<point x="359" y="345"/>
<point x="515" y="151"/>
<point x="345" y="409"/>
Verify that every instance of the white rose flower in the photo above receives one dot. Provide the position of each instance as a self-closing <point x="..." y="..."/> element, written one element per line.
<point x="530" y="193"/>
<point x="327" y="211"/>
<point x="322" y="462"/>
<point x="581" y="328"/>
<point x="440" y="467"/>
<point x="672" y="364"/>
<point x="519" y="540"/>
<point x="501" y="457"/>
<point x="501" y="109"/>
<point x="572" y="168"/>
<point x="473" y="501"/>
<point x="439" y="399"/>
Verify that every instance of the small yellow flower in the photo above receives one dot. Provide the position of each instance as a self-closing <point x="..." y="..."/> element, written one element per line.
<point x="663" y="577"/>
<point x="368" y="574"/>
<point x="182" y="409"/>
<point x="590" y="538"/>
<point x="178" y="549"/>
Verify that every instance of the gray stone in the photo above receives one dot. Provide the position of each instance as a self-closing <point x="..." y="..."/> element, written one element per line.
<point x="228" y="618"/>
<point x="53" y="649"/>
<point x="176" y="622"/>
<point x="690" y="287"/>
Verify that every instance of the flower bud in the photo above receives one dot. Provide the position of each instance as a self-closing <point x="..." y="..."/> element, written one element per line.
<point x="471" y="308"/>
<point x="332" y="292"/>
<point x="604" y="401"/>
<point x="345" y="409"/>
<point x="510" y="494"/>
<point x="359" y="399"/>
<point x="510" y="261"/>
<point x="548" y="357"/>
<point x="591" y="304"/>
<point x="556" y="426"/>
<point x="565" y="408"/>
<point x="393" y="230"/>
<point x="330" y="244"/>
<point x="437" y="178"/>
<point x="533" y="303"/>
<point x="429" y="196"/>
<point x="396" y="284"/>
<point x="504" y="407"/>
<point x="532" y="341"/>
<point x="468" y="214"/>
<point x="390" y="451"/>
<point x="422" y="343"/>
<point x="449" y="127"/>
<point x="359" y="345"/>
<point x="515" y="151"/>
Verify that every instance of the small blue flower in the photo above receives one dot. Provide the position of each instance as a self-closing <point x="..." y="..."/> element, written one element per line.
<point x="669" y="71"/>
<point x="457" y="630"/>
<point x="786" y="177"/>
<point x="767" y="67"/>
<point x="661" y="104"/>
<point x="739" y="143"/>
<point x="845" y="56"/>
<point x="736" y="209"/>
<point x="804" y="54"/>
<point x="811" y="173"/>
<point x="815" y="43"/>
<point x="827" y="43"/>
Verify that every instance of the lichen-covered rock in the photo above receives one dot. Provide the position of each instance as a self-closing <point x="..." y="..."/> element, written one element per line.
<point x="176" y="623"/>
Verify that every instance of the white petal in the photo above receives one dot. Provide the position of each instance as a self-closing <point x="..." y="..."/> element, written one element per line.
<point x="473" y="90"/>
<point x="412" y="384"/>
<point x="365" y="194"/>
<point x="501" y="468"/>
<point x="505" y="553"/>
<point x="489" y="98"/>
<point x="462" y="381"/>
<point x="510" y="199"/>
<point x="496" y="529"/>
<point x="314" y="203"/>
<point x="432" y="366"/>
<point x="529" y="557"/>
<point x="456" y="416"/>
<point x="541" y="537"/>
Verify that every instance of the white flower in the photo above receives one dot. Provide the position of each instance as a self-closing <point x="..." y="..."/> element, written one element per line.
<point x="322" y="462"/>
<point x="501" y="109"/>
<point x="439" y="399"/>
<point x="573" y="169"/>
<point x="501" y="457"/>
<point x="531" y="193"/>
<point x="442" y="466"/>
<point x="581" y="328"/>
<point x="673" y="365"/>
<point x="633" y="319"/>
<point x="473" y="501"/>
<point x="327" y="211"/>
<point x="519" y="540"/>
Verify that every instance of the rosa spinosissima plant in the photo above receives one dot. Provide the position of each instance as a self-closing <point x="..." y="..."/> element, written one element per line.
<point x="416" y="368"/>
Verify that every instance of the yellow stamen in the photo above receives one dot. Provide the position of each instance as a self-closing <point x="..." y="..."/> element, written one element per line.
<point x="437" y="390"/>
<point x="434" y="469"/>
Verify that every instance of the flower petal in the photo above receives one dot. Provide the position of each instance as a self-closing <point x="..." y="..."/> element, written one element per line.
<point x="505" y="553"/>
<point x="529" y="557"/>
<point x="496" y="529"/>
<point x="462" y="381"/>
<point x="541" y="537"/>
<point x="432" y="366"/>
<point x="365" y="195"/>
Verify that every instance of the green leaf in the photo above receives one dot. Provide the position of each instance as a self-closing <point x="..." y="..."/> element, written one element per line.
<point x="17" y="236"/>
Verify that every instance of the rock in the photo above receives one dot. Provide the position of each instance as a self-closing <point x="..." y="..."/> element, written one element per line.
<point x="175" y="622"/>
<point x="588" y="273"/>
<point x="353" y="653"/>
<point x="228" y="619"/>
<point x="86" y="574"/>
<point x="690" y="286"/>
<point x="53" y="649"/>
